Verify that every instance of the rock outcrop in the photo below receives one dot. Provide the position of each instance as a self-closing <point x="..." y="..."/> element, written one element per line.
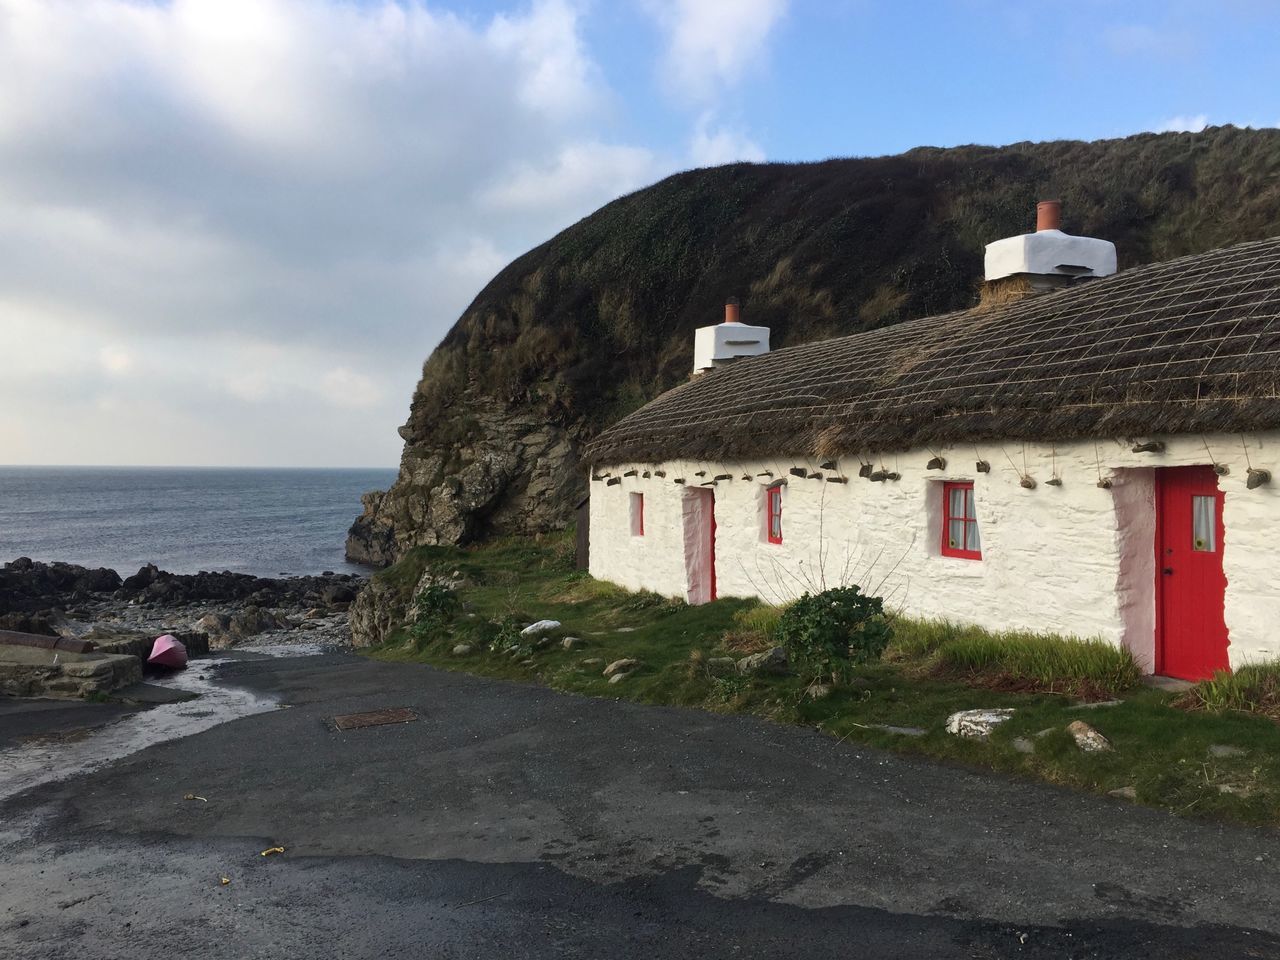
<point x="511" y="471"/>
<point x="599" y="319"/>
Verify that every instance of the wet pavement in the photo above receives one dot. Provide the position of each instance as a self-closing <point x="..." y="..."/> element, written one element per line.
<point x="510" y="820"/>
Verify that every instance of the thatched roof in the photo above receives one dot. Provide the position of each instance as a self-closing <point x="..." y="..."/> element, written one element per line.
<point x="1187" y="346"/>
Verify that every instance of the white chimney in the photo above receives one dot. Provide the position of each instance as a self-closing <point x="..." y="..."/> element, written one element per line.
<point x="1049" y="257"/>
<point x="725" y="342"/>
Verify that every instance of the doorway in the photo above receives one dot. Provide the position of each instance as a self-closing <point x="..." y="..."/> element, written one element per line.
<point x="699" y="511"/>
<point x="1191" y="629"/>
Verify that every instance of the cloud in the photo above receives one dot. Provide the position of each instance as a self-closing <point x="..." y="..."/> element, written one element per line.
<point x="712" y="44"/>
<point x="713" y="147"/>
<point x="1183" y="123"/>
<point x="264" y="208"/>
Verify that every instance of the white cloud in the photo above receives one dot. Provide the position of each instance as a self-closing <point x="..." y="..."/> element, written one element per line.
<point x="263" y="208"/>
<point x="581" y="177"/>
<point x="115" y="361"/>
<point x="712" y="44"/>
<point x="1183" y="123"/>
<point x="713" y="147"/>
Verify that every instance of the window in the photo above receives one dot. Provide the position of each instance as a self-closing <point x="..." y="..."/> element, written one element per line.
<point x="1203" y="524"/>
<point x="637" y="514"/>
<point x="773" y="514"/>
<point x="960" y="522"/>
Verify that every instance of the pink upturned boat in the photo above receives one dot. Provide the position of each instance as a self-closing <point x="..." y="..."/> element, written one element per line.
<point x="168" y="651"/>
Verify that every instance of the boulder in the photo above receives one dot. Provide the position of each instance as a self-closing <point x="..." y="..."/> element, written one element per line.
<point x="337" y="593"/>
<point x="625" y="665"/>
<point x="773" y="662"/>
<point x="1087" y="738"/>
<point x="573" y="643"/>
<point x="463" y="650"/>
<point x="541" y="628"/>
<point x="977" y="724"/>
<point x="253" y="620"/>
<point x="619" y="677"/>
<point x="721" y="666"/>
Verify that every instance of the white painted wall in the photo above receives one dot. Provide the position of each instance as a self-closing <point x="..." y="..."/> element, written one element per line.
<point x="1073" y="559"/>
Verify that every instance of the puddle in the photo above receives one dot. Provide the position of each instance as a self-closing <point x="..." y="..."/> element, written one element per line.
<point x="288" y="649"/>
<point x="33" y="764"/>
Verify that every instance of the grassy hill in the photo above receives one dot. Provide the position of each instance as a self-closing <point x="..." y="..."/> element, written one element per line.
<point x="600" y="318"/>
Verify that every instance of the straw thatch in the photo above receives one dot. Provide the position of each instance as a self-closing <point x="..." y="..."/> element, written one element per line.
<point x="1187" y="346"/>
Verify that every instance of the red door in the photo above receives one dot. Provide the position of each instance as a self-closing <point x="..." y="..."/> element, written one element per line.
<point x="1191" y="632"/>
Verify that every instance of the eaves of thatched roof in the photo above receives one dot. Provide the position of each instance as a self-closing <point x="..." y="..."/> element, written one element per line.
<point x="1186" y="346"/>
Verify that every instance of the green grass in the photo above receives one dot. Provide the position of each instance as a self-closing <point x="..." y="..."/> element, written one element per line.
<point x="1161" y="750"/>
<point x="1254" y="688"/>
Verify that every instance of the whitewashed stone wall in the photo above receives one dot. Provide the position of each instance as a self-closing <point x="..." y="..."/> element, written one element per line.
<point x="1074" y="559"/>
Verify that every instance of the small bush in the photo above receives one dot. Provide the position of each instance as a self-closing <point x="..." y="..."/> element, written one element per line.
<point x="435" y="608"/>
<point x="1092" y="669"/>
<point x="1254" y="688"/>
<point x="827" y="633"/>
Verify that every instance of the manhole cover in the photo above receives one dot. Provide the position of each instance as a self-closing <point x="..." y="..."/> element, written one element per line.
<point x="374" y="718"/>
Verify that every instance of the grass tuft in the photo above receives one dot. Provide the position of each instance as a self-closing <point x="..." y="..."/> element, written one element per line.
<point x="1017" y="660"/>
<point x="1254" y="688"/>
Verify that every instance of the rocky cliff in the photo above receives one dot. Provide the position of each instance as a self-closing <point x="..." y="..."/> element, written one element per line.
<point x="600" y="319"/>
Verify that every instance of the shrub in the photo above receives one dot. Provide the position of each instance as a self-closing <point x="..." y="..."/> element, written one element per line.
<point x="435" y="608"/>
<point x="827" y="633"/>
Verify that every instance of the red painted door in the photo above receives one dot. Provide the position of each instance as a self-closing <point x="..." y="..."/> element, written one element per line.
<point x="1191" y="632"/>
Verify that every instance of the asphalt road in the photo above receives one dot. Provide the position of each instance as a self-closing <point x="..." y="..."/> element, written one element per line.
<point x="514" y="821"/>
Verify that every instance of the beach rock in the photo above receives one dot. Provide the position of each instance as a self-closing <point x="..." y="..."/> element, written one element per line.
<point x="337" y="593"/>
<point x="463" y="650"/>
<point x="619" y="677"/>
<point x="977" y="724"/>
<point x="770" y="662"/>
<point x="573" y="643"/>
<point x="1087" y="738"/>
<point x="252" y="621"/>
<point x="621" y="666"/>
<point x="379" y="609"/>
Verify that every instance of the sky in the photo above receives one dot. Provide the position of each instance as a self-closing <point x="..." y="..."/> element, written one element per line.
<point x="232" y="230"/>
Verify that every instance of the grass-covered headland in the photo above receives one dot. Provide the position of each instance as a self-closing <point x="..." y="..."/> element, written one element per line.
<point x="1212" y="752"/>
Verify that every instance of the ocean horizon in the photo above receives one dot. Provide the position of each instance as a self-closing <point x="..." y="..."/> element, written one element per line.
<point x="267" y="521"/>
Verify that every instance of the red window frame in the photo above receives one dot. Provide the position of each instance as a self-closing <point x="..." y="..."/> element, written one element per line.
<point x="773" y="514"/>
<point x="963" y="518"/>
<point x="637" y="514"/>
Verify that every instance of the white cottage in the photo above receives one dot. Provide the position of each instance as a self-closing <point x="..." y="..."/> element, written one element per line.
<point x="1092" y="461"/>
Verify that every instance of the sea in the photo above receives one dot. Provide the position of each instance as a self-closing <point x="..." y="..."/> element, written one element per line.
<point x="267" y="522"/>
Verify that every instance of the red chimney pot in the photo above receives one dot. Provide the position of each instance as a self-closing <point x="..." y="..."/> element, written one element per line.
<point x="731" y="310"/>
<point x="1049" y="215"/>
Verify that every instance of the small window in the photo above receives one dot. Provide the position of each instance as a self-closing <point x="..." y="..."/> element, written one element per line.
<point x="960" y="522"/>
<point x="773" y="514"/>
<point x="637" y="514"/>
<point x="1204" y="525"/>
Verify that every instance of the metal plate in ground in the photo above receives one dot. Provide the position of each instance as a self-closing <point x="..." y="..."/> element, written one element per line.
<point x="374" y="718"/>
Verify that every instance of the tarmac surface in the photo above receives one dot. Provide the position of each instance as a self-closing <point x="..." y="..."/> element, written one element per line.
<point x="510" y="820"/>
